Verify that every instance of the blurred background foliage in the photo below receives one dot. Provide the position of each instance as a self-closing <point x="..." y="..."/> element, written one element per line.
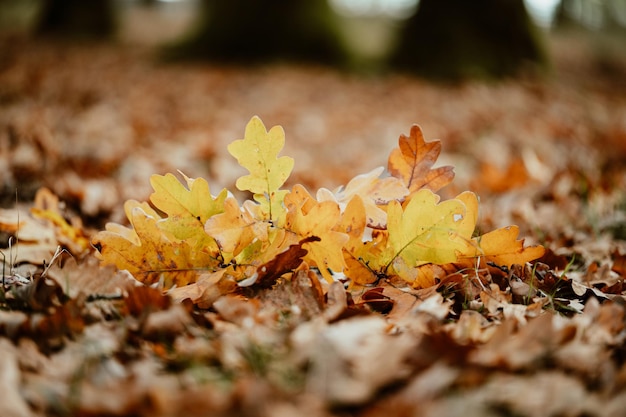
<point x="444" y="39"/>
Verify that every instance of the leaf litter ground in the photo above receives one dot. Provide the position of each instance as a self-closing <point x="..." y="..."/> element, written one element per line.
<point x="543" y="338"/>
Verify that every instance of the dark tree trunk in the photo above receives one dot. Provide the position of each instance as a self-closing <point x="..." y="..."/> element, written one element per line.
<point x="258" y="31"/>
<point x="452" y="39"/>
<point x="77" y="18"/>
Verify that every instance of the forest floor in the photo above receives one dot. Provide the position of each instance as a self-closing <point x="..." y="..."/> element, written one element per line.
<point x="92" y="123"/>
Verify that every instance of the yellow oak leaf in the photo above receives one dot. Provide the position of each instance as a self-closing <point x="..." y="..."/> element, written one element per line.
<point x="258" y="153"/>
<point x="159" y="256"/>
<point x="172" y="198"/>
<point x="425" y="231"/>
<point x="235" y="228"/>
<point x="187" y="209"/>
<point x="413" y="159"/>
<point x="126" y="232"/>
<point x="374" y="192"/>
<point x="300" y="197"/>
<point x="502" y="247"/>
<point x="319" y="221"/>
<point x="353" y="224"/>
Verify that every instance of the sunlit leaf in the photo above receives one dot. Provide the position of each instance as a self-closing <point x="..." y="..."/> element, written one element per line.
<point x="319" y="221"/>
<point x="159" y="257"/>
<point x="425" y="231"/>
<point x="502" y="247"/>
<point x="412" y="162"/>
<point x="174" y="199"/>
<point x="234" y="229"/>
<point x="258" y="153"/>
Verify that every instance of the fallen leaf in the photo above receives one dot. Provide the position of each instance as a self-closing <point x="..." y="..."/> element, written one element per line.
<point x="72" y="236"/>
<point x="320" y="221"/>
<point x="412" y="160"/>
<point x="351" y="360"/>
<point x="258" y="153"/>
<point x="501" y="247"/>
<point x="158" y="258"/>
<point x="284" y="262"/>
<point x="497" y="180"/>
<point x="12" y="404"/>
<point x="206" y="290"/>
<point x="353" y="224"/>
<point x="196" y="201"/>
<point x="235" y="228"/>
<point x="425" y="231"/>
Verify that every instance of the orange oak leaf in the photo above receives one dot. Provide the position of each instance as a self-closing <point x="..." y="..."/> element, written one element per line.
<point x="235" y="228"/>
<point x="502" y="247"/>
<point x="353" y="224"/>
<point x="319" y="221"/>
<point x="412" y="162"/>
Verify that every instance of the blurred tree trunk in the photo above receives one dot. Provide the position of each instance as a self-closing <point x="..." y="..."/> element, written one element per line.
<point x="453" y="39"/>
<point x="258" y="31"/>
<point x="608" y="15"/>
<point x="77" y="18"/>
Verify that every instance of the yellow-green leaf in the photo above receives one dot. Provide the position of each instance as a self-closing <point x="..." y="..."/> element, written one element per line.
<point x="187" y="209"/>
<point x="159" y="256"/>
<point x="258" y="153"/>
<point x="174" y="199"/>
<point x="425" y="231"/>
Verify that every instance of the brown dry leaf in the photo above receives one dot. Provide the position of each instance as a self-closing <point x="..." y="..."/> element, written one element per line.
<point x="297" y="297"/>
<point x="40" y="294"/>
<point x="286" y="261"/>
<point x="89" y="278"/>
<point x="351" y="360"/>
<point x="514" y="347"/>
<point x="28" y="239"/>
<point x="412" y="162"/>
<point x="619" y="264"/>
<point x="12" y="404"/>
<point x="142" y="300"/>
